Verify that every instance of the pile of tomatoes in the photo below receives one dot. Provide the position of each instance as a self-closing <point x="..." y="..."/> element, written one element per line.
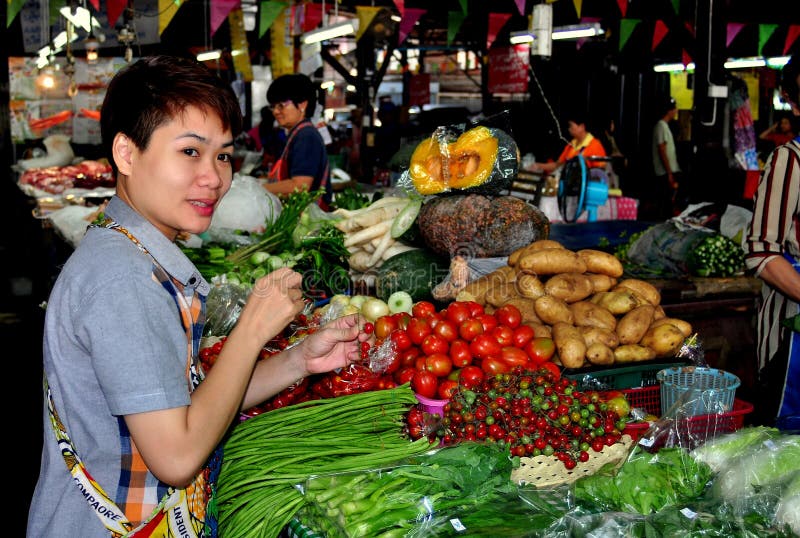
<point x="461" y="345"/>
<point x="534" y="413"/>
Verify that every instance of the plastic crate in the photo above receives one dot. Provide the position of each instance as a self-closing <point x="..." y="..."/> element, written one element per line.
<point x="699" y="426"/>
<point x="623" y="377"/>
<point x="707" y="389"/>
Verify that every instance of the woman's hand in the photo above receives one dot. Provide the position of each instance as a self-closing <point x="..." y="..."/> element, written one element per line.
<point x="274" y="302"/>
<point x="334" y="345"/>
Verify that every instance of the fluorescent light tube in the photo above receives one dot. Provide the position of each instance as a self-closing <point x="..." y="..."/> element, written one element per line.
<point x="778" y="61"/>
<point x="521" y="37"/>
<point x="741" y="63"/>
<point x="575" y="32"/>
<point x="330" y="32"/>
<point x="209" y="55"/>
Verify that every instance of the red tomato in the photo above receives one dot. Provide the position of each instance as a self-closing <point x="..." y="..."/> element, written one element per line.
<point x="475" y="309"/>
<point x="471" y="376"/>
<point x="423" y="309"/>
<point x="469" y="329"/>
<point x="457" y="312"/>
<point x="409" y="357"/>
<point x="439" y="364"/>
<point x="404" y="375"/>
<point x="485" y="346"/>
<point x="402" y="319"/>
<point x="446" y="388"/>
<point x="446" y="329"/>
<point x="503" y="334"/>
<point x="522" y="335"/>
<point x="401" y="340"/>
<point x="460" y="353"/>
<point x="425" y="383"/>
<point x="419" y="362"/>
<point x="493" y="366"/>
<point x="488" y="321"/>
<point x="508" y="314"/>
<point x="553" y="368"/>
<point x="384" y="326"/>
<point x="540" y="350"/>
<point x="514" y="356"/>
<point x="417" y="330"/>
<point x="433" y="343"/>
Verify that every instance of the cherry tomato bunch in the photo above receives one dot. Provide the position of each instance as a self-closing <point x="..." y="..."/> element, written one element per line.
<point x="535" y="413"/>
<point x="460" y="345"/>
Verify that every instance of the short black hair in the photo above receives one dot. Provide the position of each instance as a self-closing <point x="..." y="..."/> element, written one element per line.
<point x="151" y="91"/>
<point x="576" y="116"/>
<point x="295" y="87"/>
<point x="665" y="105"/>
<point x="789" y="75"/>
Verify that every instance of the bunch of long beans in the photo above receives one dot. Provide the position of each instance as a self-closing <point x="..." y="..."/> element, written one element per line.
<point x="266" y="456"/>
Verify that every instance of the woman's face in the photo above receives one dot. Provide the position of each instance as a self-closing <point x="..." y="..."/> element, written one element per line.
<point x="178" y="180"/>
<point x="785" y="125"/>
<point x="288" y="114"/>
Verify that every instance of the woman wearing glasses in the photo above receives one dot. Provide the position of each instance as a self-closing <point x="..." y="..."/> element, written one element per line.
<point x="303" y="164"/>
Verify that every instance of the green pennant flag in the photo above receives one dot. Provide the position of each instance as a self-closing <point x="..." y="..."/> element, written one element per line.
<point x="463" y="6"/>
<point x="765" y="31"/>
<point x="626" y="27"/>
<point x="269" y="12"/>
<point x="55" y="10"/>
<point x="13" y="7"/>
<point x="454" y="20"/>
<point x="676" y="5"/>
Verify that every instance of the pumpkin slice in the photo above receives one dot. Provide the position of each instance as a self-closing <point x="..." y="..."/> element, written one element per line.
<point x="472" y="158"/>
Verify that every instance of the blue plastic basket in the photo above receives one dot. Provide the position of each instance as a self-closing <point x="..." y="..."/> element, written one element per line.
<point x="701" y="391"/>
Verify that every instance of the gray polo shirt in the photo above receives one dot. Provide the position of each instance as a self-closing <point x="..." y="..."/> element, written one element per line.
<point x="113" y="345"/>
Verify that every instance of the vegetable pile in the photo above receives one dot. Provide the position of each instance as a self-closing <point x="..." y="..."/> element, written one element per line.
<point x="716" y="256"/>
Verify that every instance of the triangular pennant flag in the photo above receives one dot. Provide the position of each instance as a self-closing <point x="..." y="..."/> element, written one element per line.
<point x="765" y="31"/>
<point x="269" y="11"/>
<point x="582" y="40"/>
<point x="166" y="11"/>
<point x="496" y="22"/>
<point x="685" y="58"/>
<point x="13" y="7"/>
<point x="463" y="6"/>
<point x="732" y="30"/>
<point x="412" y="15"/>
<point x="454" y="20"/>
<point x="659" y="32"/>
<point x="312" y="16"/>
<point x="219" y="12"/>
<point x="578" y="6"/>
<point x="626" y="28"/>
<point x="55" y="13"/>
<point x="114" y="9"/>
<point x="520" y="6"/>
<point x="401" y="7"/>
<point x="95" y="4"/>
<point x="623" y="6"/>
<point x="791" y="37"/>
<point x="676" y="6"/>
<point x="689" y="27"/>
<point x="365" y="16"/>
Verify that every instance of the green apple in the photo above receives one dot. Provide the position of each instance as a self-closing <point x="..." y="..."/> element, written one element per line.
<point x="400" y="301"/>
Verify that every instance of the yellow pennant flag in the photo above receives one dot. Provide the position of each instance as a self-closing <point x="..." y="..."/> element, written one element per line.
<point x="166" y="10"/>
<point x="239" y="49"/>
<point x="365" y="16"/>
<point x="578" y="6"/>
<point x="282" y="44"/>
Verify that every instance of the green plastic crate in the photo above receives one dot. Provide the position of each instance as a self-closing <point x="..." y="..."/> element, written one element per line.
<point x="620" y="377"/>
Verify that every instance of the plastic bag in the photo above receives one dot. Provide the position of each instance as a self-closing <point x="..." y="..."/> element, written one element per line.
<point x="223" y="307"/>
<point x="247" y="206"/>
<point x="311" y="220"/>
<point x="71" y="222"/>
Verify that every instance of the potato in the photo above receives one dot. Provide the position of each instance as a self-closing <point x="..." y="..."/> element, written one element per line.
<point x="570" y="345"/>
<point x="570" y="287"/>
<point x="526" y="308"/>
<point x="476" y="290"/>
<point x="588" y="314"/>
<point x="596" y="335"/>
<point x="499" y="294"/>
<point x="508" y="273"/>
<point x="601" y="262"/>
<point x="634" y="324"/>
<point x="601" y="282"/>
<point x="544" y="243"/>
<point x="664" y="340"/>
<point x="600" y="354"/>
<point x="633" y="353"/>
<point x="514" y="257"/>
<point x="552" y="310"/>
<point x="540" y="330"/>
<point x="529" y="286"/>
<point x="616" y="302"/>
<point x="683" y="326"/>
<point x="642" y="289"/>
<point x="659" y="313"/>
<point x="551" y="261"/>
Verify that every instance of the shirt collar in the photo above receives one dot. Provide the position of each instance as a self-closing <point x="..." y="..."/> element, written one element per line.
<point x="166" y="252"/>
<point x="586" y="140"/>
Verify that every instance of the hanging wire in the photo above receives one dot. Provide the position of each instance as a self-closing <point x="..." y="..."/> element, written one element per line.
<point x="547" y="103"/>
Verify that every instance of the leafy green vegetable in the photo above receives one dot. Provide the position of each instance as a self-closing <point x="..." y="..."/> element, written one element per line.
<point x="716" y="256"/>
<point x="717" y="453"/>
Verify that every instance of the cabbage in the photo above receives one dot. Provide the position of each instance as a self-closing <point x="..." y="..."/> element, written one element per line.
<point x="788" y="512"/>
<point x="771" y="464"/>
<point x="720" y="452"/>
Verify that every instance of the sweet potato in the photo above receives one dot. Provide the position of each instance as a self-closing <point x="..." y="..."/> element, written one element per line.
<point x="529" y="286"/>
<point x="570" y="287"/>
<point x="664" y="340"/>
<point x="633" y="353"/>
<point x="642" y="289"/>
<point x="594" y="335"/>
<point x="616" y="302"/>
<point x="588" y="314"/>
<point x="552" y="310"/>
<point x="600" y="354"/>
<point x="601" y="282"/>
<point x="570" y="345"/>
<point x="551" y="261"/>
<point x="601" y="262"/>
<point x="634" y="324"/>
<point x="683" y="326"/>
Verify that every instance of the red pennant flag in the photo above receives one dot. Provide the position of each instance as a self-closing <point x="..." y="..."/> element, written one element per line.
<point x="685" y="58"/>
<point x="689" y="27"/>
<point x="95" y="4"/>
<point x="412" y="15"/>
<point x="791" y="37"/>
<point x="401" y="6"/>
<point x="520" y="6"/>
<point x="659" y="32"/>
<point x="623" y="6"/>
<point x="114" y="9"/>
<point x="219" y="12"/>
<point x="312" y="17"/>
<point x="732" y="30"/>
<point x="496" y="22"/>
